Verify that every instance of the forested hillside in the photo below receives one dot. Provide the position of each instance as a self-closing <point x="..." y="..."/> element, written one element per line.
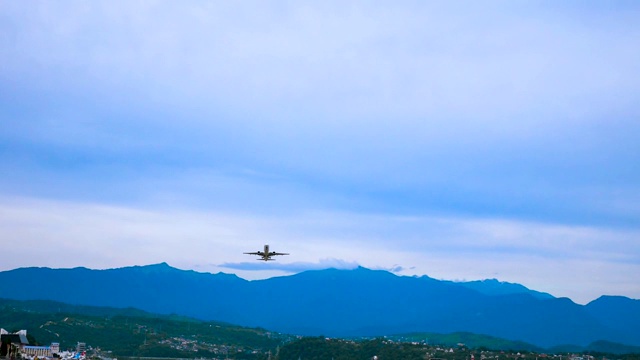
<point x="133" y="332"/>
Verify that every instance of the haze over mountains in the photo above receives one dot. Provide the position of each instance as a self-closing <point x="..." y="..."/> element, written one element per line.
<point x="332" y="302"/>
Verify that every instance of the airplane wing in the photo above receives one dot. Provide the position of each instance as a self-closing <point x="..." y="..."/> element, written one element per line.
<point x="259" y="253"/>
<point x="277" y="253"/>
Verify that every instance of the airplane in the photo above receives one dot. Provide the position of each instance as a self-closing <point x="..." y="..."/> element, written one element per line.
<point x="265" y="255"/>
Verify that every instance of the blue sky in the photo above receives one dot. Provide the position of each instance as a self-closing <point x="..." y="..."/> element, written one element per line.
<point x="458" y="140"/>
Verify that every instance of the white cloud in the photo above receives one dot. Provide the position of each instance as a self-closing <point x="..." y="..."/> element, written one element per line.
<point x="476" y="66"/>
<point x="292" y="267"/>
<point x="578" y="262"/>
<point x="459" y="140"/>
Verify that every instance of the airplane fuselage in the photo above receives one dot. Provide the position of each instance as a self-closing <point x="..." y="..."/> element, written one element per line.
<point x="266" y="254"/>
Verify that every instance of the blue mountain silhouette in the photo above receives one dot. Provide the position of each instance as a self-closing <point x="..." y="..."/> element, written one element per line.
<point x="359" y="302"/>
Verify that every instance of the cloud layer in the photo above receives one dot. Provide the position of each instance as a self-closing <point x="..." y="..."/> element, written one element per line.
<point x="583" y="262"/>
<point x="459" y="140"/>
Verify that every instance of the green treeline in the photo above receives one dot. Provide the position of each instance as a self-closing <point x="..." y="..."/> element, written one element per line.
<point x="134" y="333"/>
<point x="139" y="334"/>
<point x="320" y="348"/>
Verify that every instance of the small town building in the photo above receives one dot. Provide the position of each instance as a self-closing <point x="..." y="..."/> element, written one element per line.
<point x="39" y="351"/>
<point x="12" y="344"/>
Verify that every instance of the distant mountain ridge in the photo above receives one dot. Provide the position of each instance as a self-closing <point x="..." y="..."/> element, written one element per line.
<point x="495" y="287"/>
<point x="359" y="302"/>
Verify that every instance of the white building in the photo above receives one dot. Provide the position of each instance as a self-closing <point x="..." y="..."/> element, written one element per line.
<point x="39" y="351"/>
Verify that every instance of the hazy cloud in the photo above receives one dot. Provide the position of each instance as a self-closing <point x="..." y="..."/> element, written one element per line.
<point x="293" y="267"/>
<point x="578" y="262"/>
<point x="459" y="140"/>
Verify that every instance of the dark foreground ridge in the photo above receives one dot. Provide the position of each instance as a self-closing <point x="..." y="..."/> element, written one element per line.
<point x="131" y="333"/>
<point x="339" y="303"/>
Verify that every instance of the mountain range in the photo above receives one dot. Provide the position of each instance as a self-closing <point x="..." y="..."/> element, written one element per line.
<point x="331" y="302"/>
